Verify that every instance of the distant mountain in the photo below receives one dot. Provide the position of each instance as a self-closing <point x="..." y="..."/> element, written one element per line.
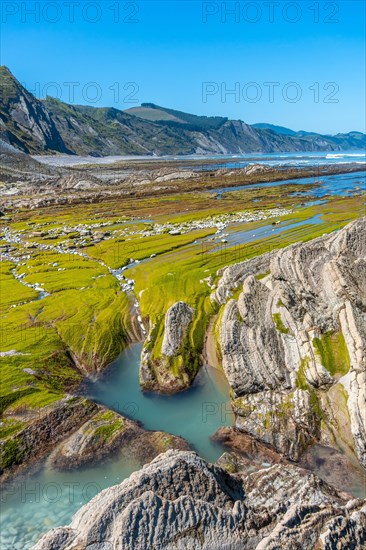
<point x="108" y="131"/>
<point x="171" y="117"/>
<point x="50" y="126"/>
<point x="351" y="140"/>
<point x="278" y="129"/>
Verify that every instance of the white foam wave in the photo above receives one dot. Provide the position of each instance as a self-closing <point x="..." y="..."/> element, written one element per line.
<point x="343" y="155"/>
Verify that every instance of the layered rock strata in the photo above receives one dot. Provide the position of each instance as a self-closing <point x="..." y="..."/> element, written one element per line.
<point x="168" y="369"/>
<point x="107" y="433"/>
<point x="179" y="501"/>
<point x="293" y="344"/>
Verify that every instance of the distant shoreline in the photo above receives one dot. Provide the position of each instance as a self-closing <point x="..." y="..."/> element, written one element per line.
<point x="79" y="160"/>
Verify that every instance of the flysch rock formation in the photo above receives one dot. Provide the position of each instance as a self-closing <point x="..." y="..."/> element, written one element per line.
<point x="179" y="501"/>
<point x="156" y="370"/>
<point x="294" y="343"/>
<point x="177" y="319"/>
<point x="75" y="432"/>
<point x="108" y="432"/>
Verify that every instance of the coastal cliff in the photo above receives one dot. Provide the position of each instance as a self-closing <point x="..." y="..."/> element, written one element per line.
<point x="49" y="125"/>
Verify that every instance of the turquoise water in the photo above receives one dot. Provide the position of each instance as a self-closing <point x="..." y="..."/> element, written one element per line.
<point x="49" y="498"/>
<point x="33" y="505"/>
<point x="194" y="414"/>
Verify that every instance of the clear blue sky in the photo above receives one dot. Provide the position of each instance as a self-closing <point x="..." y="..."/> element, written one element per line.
<point x="170" y="51"/>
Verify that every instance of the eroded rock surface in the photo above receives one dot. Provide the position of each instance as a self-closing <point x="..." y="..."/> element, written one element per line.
<point x="177" y="320"/>
<point x="250" y="452"/>
<point x="179" y="501"/>
<point x="108" y="432"/>
<point x="45" y="430"/>
<point x="171" y="369"/>
<point x="293" y="344"/>
<point x="75" y="432"/>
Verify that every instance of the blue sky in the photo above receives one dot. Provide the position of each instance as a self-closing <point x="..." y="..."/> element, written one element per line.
<point x="298" y="64"/>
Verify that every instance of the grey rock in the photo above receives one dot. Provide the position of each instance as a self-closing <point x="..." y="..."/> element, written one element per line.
<point x="286" y="421"/>
<point x="233" y="276"/>
<point x="270" y="339"/>
<point x="177" y="320"/>
<point x="108" y="432"/>
<point x="157" y="373"/>
<point x="48" y="427"/>
<point x="179" y="501"/>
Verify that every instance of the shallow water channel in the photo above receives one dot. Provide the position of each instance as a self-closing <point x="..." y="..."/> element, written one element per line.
<point x="49" y="498"/>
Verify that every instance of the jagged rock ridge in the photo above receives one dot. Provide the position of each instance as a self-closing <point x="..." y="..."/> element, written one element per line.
<point x="25" y="122"/>
<point x="294" y="342"/>
<point x="179" y="501"/>
<point x="158" y="372"/>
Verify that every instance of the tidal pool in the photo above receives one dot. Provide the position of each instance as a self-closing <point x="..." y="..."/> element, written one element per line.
<point x="34" y="504"/>
<point x="236" y="236"/>
<point x="194" y="414"/>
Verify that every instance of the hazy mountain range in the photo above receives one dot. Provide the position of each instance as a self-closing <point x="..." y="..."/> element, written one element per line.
<point x="50" y="126"/>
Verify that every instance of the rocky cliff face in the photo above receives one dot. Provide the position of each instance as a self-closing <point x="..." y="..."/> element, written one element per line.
<point x="49" y="125"/>
<point x="179" y="501"/>
<point x="24" y="121"/>
<point x="293" y="344"/>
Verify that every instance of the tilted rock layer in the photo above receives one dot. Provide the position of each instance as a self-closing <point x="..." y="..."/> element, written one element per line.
<point x="179" y="501"/>
<point x="169" y="371"/>
<point x="293" y="344"/>
<point x="177" y="319"/>
<point x="108" y="432"/>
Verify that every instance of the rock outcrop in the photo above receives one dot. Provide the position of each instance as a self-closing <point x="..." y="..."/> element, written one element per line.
<point x="177" y="319"/>
<point x="246" y="454"/>
<point x="48" y="427"/>
<point x="169" y="370"/>
<point x="253" y="454"/>
<point x="287" y="421"/>
<point x="108" y="432"/>
<point x="25" y="122"/>
<point x="294" y="343"/>
<point x="75" y="432"/>
<point x="179" y="501"/>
